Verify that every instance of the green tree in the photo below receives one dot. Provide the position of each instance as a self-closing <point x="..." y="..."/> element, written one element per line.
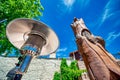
<point x="11" y="9"/>
<point x="73" y="65"/>
<point x="56" y="76"/>
<point x="68" y="72"/>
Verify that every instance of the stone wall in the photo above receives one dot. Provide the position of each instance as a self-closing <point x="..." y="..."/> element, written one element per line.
<point x="39" y="69"/>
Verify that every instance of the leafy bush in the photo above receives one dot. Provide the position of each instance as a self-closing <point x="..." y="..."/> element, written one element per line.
<point x="56" y="76"/>
<point x="68" y="72"/>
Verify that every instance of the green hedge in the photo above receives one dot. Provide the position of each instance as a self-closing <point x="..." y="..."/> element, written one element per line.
<point x="68" y="72"/>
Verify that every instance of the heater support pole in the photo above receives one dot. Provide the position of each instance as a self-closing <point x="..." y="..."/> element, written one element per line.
<point x="29" y="50"/>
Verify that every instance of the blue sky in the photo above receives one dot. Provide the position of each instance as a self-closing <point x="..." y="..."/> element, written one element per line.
<point x="102" y="17"/>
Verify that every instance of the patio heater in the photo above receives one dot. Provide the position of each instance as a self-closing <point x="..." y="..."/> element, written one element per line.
<point x="32" y="38"/>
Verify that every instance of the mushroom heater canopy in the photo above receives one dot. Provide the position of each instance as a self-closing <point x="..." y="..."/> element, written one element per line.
<point x="18" y="32"/>
<point x="33" y="38"/>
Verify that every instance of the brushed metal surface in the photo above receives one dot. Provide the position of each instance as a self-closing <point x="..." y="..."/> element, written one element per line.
<point x="17" y="32"/>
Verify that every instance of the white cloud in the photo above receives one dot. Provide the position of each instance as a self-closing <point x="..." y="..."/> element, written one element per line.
<point x="110" y="11"/>
<point x="105" y="14"/>
<point x="111" y="37"/>
<point x="65" y="6"/>
<point x="62" y="50"/>
<point x="68" y="3"/>
<point x="83" y="3"/>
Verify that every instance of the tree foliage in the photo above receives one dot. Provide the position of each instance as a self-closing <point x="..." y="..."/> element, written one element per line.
<point x="68" y="72"/>
<point x="11" y="9"/>
<point x="56" y="76"/>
